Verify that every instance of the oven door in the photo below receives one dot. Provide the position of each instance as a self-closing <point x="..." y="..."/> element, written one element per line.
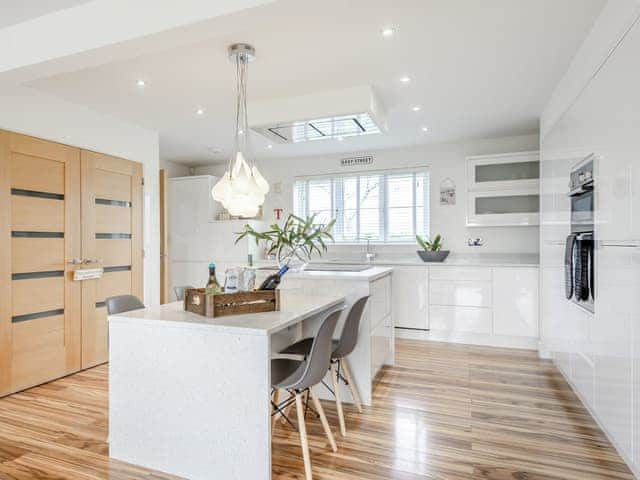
<point x="584" y="271"/>
<point x="582" y="211"/>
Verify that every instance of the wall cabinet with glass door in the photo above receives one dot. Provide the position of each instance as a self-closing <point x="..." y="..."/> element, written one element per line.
<point x="503" y="207"/>
<point x="503" y="190"/>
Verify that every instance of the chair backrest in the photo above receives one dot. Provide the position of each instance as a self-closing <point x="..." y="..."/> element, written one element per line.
<point x="180" y="291"/>
<point x="349" y="335"/>
<point x="123" y="303"/>
<point x="319" y="358"/>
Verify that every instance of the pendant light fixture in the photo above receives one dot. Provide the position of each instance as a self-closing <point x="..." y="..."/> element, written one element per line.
<point x="242" y="188"/>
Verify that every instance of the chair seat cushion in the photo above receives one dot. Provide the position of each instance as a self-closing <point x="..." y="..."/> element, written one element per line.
<point x="303" y="347"/>
<point x="285" y="373"/>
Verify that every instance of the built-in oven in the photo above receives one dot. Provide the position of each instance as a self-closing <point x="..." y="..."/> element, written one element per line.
<point x="580" y="247"/>
<point x="581" y="192"/>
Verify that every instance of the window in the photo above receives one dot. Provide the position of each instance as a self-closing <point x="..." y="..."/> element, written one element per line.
<point x="386" y="206"/>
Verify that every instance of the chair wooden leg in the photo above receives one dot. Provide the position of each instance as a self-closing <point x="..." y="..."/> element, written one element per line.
<point x="323" y="420"/>
<point x="274" y="417"/>
<point x="304" y="443"/>
<point x="336" y="389"/>
<point x="286" y="410"/>
<point x="352" y="386"/>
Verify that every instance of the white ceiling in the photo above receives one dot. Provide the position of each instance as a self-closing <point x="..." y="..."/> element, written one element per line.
<point x="16" y="11"/>
<point x="478" y="68"/>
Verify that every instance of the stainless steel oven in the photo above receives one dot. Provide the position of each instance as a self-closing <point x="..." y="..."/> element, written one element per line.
<point x="581" y="191"/>
<point x="580" y="248"/>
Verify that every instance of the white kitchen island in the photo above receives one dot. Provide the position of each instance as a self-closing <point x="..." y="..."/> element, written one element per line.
<point x="190" y="395"/>
<point x="376" y="335"/>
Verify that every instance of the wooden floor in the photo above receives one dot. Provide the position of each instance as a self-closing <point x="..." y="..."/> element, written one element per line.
<point x="443" y="412"/>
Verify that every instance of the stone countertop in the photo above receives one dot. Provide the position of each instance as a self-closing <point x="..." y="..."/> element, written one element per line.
<point x="294" y="308"/>
<point x="467" y="259"/>
<point x="454" y="259"/>
<point x="369" y="275"/>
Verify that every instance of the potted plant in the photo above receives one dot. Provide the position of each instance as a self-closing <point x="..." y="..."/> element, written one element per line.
<point x="294" y="242"/>
<point x="432" y="250"/>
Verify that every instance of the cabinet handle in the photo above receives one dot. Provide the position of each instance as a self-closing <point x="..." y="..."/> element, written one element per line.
<point x="92" y="260"/>
<point x="620" y="245"/>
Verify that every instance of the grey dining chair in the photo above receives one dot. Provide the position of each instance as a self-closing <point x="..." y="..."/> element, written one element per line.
<point x="122" y="304"/>
<point x="298" y="377"/>
<point x="341" y="348"/>
<point x="180" y="291"/>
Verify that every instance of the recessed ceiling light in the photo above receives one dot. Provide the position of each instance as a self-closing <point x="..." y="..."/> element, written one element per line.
<point x="425" y="129"/>
<point x="340" y="139"/>
<point x="405" y="79"/>
<point x="269" y="147"/>
<point x="141" y="83"/>
<point x="387" y="32"/>
<point x="416" y="108"/>
<point x="200" y="111"/>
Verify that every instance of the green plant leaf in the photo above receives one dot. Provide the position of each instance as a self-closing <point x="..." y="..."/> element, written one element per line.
<point x="422" y="242"/>
<point x="294" y="233"/>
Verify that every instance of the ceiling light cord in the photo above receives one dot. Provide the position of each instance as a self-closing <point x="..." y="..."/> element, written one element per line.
<point x="242" y="140"/>
<point x="242" y="189"/>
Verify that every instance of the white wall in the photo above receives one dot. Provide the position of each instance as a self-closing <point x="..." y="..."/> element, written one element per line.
<point x="444" y="160"/>
<point x="615" y="20"/>
<point x="27" y="111"/>
<point x="174" y="169"/>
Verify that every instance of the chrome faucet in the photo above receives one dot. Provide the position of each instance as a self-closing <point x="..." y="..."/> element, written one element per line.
<point x="370" y="255"/>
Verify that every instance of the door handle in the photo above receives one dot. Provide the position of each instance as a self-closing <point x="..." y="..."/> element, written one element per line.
<point x="87" y="261"/>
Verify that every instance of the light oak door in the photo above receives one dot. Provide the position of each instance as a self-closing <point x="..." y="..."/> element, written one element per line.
<point x="112" y="239"/>
<point x="40" y="304"/>
<point x="164" y="257"/>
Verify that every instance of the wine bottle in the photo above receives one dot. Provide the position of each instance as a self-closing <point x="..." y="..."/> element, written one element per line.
<point x="213" y="287"/>
<point x="273" y="280"/>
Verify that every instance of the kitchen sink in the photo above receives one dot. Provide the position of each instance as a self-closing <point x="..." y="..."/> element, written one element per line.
<point x="329" y="268"/>
<point x="337" y="268"/>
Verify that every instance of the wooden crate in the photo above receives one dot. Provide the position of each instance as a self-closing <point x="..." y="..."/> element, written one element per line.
<point x="223" y="304"/>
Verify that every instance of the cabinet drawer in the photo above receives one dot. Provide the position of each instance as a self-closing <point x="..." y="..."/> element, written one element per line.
<point x="460" y="293"/>
<point x="460" y="273"/>
<point x="380" y="301"/>
<point x="381" y="339"/>
<point x="460" y="319"/>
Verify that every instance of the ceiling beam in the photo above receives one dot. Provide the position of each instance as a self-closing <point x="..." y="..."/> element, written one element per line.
<point x="103" y="31"/>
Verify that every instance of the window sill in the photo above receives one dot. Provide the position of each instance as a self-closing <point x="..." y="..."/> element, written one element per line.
<point x="364" y="244"/>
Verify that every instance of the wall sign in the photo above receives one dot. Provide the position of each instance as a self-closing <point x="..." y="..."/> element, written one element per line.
<point x="357" y="161"/>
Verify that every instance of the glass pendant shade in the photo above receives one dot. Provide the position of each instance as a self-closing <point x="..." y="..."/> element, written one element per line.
<point x="242" y="189"/>
<point x="263" y="186"/>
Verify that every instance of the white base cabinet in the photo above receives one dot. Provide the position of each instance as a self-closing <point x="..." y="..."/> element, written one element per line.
<point x="460" y="319"/>
<point x="382" y="348"/>
<point x="480" y="305"/>
<point x="515" y="301"/>
<point x="410" y="293"/>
